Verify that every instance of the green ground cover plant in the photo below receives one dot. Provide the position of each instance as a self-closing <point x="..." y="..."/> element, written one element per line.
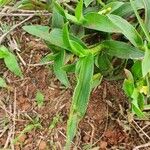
<point x="86" y="38"/>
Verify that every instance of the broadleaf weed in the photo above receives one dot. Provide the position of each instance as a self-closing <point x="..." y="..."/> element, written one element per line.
<point x="92" y="61"/>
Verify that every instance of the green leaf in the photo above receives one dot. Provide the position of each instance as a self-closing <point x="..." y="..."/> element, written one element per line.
<point x="59" y="9"/>
<point x="59" y="72"/>
<point x="97" y="79"/>
<point x="57" y="19"/>
<point x="100" y="22"/>
<point x="128" y="87"/>
<point x="127" y="29"/>
<point x="69" y="68"/>
<point x="137" y="70"/>
<point x="79" y="10"/>
<point x="4" y="2"/>
<point x="12" y="65"/>
<point x="112" y="23"/>
<point x="77" y="31"/>
<point x="55" y="37"/>
<point x="39" y="98"/>
<point x="126" y="9"/>
<point x="27" y="129"/>
<point x="66" y="37"/>
<point x="146" y="62"/>
<point x="48" y="58"/>
<point x="147" y="13"/>
<point x="81" y="95"/>
<point x="112" y="6"/>
<point x="3" y="52"/>
<point x="122" y="50"/>
<point x="32" y="5"/>
<point x="2" y="82"/>
<point x="74" y="47"/>
<point x="141" y="101"/>
<point x="135" y="105"/>
<point x="140" y="21"/>
<point x="104" y="64"/>
<point x="88" y="2"/>
<point x="10" y="61"/>
<point x="54" y="122"/>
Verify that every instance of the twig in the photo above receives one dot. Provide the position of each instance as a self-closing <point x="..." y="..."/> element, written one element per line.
<point x="141" y="130"/>
<point x="92" y="132"/>
<point x="66" y="137"/>
<point x="142" y="146"/>
<point x="14" y="120"/>
<point x="9" y="133"/>
<point x="40" y="64"/>
<point x="8" y="138"/>
<point x="21" y="59"/>
<point x="14" y="27"/>
<point x="23" y="14"/>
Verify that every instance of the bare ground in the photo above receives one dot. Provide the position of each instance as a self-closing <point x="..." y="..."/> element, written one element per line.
<point x="107" y="124"/>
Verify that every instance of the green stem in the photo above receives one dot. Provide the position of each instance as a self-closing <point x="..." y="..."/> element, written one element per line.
<point x="96" y="49"/>
<point x="101" y="3"/>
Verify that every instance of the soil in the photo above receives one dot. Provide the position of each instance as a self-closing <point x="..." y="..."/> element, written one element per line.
<point x="108" y="125"/>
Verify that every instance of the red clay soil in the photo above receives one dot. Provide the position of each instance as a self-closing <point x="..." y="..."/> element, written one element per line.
<point x="105" y="126"/>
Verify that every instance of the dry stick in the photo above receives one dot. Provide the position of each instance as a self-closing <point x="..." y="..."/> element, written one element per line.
<point x="8" y="138"/>
<point x="92" y="132"/>
<point x="40" y="64"/>
<point x="141" y="130"/>
<point x="9" y="133"/>
<point x="23" y="14"/>
<point x="66" y="138"/>
<point x="30" y="59"/>
<point x="14" y="120"/>
<point x="21" y="59"/>
<point x="15" y="26"/>
<point x="3" y="131"/>
<point x="142" y="146"/>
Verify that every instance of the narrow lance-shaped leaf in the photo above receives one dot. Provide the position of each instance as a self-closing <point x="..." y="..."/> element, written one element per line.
<point x="147" y="13"/>
<point x="146" y="62"/>
<point x="113" y="24"/>
<point x="12" y="64"/>
<point x="74" y="47"/>
<point x="3" y="52"/>
<point x="140" y="21"/>
<point x="79" y="10"/>
<point x="57" y="19"/>
<point x="80" y="96"/>
<point x="100" y="22"/>
<point x="122" y="50"/>
<point x="126" y="9"/>
<point x="39" y="98"/>
<point x="10" y="61"/>
<point x="59" y="72"/>
<point x="135" y="105"/>
<point x="55" y="37"/>
<point x="127" y="29"/>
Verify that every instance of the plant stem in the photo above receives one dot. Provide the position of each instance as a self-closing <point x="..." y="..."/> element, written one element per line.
<point x="101" y="3"/>
<point x="96" y="49"/>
